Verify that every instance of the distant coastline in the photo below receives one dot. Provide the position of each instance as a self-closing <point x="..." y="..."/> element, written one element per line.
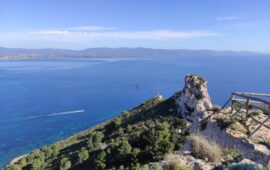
<point x="19" y="53"/>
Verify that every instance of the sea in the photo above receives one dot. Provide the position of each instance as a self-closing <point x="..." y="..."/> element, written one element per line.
<point x="45" y="100"/>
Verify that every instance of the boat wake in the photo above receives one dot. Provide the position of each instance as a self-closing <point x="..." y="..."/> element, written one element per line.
<point x="66" y="113"/>
<point x="57" y="114"/>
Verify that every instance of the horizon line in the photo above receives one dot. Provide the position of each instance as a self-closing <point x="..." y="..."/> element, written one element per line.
<point x="140" y="47"/>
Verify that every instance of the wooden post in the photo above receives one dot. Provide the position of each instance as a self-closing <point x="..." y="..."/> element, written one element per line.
<point x="232" y="107"/>
<point x="247" y="109"/>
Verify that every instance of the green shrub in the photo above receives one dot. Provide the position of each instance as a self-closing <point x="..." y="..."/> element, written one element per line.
<point x="100" y="162"/>
<point x="65" y="164"/>
<point x="116" y="123"/>
<point x="47" y="151"/>
<point x="224" y="120"/>
<point x="97" y="138"/>
<point x="245" y="167"/>
<point x="90" y="144"/>
<point x="83" y="155"/>
<point x="55" y="150"/>
<point x="237" y="126"/>
<point x="22" y="162"/>
<point x="232" y="153"/>
<point x="255" y="112"/>
<point x="156" y="166"/>
<point x="37" y="164"/>
<point x="204" y="149"/>
<point x="176" y="166"/>
<point x="125" y="114"/>
<point x="129" y="128"/>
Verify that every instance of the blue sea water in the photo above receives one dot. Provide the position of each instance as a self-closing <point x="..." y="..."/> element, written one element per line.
<point x="43" y="101"/>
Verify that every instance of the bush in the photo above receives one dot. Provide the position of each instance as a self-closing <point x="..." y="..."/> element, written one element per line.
<point x="204" y="149"/>
<point x="129" y="129"/>
<point x="83" y="155"/>
<point x="125" y="114"/>
<point x="255" y="112"/>
<point x="176" y="166"/>
<point x="238" y="127"/>
<point x="47" y="151"/>
<point x="156" y="166"/>
<point x="232" y="153"/>
<point x="245" y="167"/>
<point x="22" y="161"/>
<point x="100" y="162"/>
<point x="224" y="121"/>
<point x="37" y="164"/>
<point x="65" y="164"/>
<point x="90" y="144"/>
<point x="116" y="123"/>
<point x="97" y="138"/>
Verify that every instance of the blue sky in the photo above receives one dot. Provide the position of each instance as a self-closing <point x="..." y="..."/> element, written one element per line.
<point x="173" y="24"/>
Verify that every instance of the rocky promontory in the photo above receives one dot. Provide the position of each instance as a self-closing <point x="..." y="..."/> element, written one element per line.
<point x="183" y="132"/>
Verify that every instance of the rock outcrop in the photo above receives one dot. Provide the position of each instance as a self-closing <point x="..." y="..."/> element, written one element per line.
<point x="193" y="103"/>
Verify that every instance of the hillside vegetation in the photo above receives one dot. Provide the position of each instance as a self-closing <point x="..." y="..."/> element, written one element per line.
<point x="135" y="139"/>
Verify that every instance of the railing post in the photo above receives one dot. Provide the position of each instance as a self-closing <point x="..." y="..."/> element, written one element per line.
<point x="232" y="103"/>
<point x="247" y="109"/>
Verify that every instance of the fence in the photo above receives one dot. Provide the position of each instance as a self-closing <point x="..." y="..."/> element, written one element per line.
<point x="246" y="102"/>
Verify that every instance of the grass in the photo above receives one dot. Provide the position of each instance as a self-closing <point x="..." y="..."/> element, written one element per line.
<point x="224" y="120"/>
<point x="174" y="163"/>
<point x="204" y="148"/>
<point x="232" y="153"/>
<point x="176" y="166"/>
<point x="255" y="112"/>
<point x="237" y="126"/>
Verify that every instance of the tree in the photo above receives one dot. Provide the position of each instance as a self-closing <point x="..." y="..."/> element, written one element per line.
<point x="47" y="151"/>
<point x="116" y="123"/>
<point x="100" y="162"/>
<point x="97" y="138"/>
<point x="90" y="144"/>
<point x="129" y="128"/>
<point x="135" y="153"/>
<point x="120" y="131"/>
<point x="37" y="164"/>
<point x="22" y="161"/>
<point x="124" y="148"/>
<point x="65" y="164"/>
<point x="157" y="140"/>
<point x="83" y="155"/>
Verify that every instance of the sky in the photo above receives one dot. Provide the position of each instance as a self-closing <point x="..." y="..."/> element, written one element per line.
<point x="242" y="25"/>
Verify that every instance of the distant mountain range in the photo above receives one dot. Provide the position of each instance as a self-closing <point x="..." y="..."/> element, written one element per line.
<point x="19" y="53"/>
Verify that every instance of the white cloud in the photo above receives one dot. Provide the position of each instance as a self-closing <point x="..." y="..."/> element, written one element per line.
<point x="86" y="37"/>
<point x="227" y="18"/>
<point x="91" y="28"/>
